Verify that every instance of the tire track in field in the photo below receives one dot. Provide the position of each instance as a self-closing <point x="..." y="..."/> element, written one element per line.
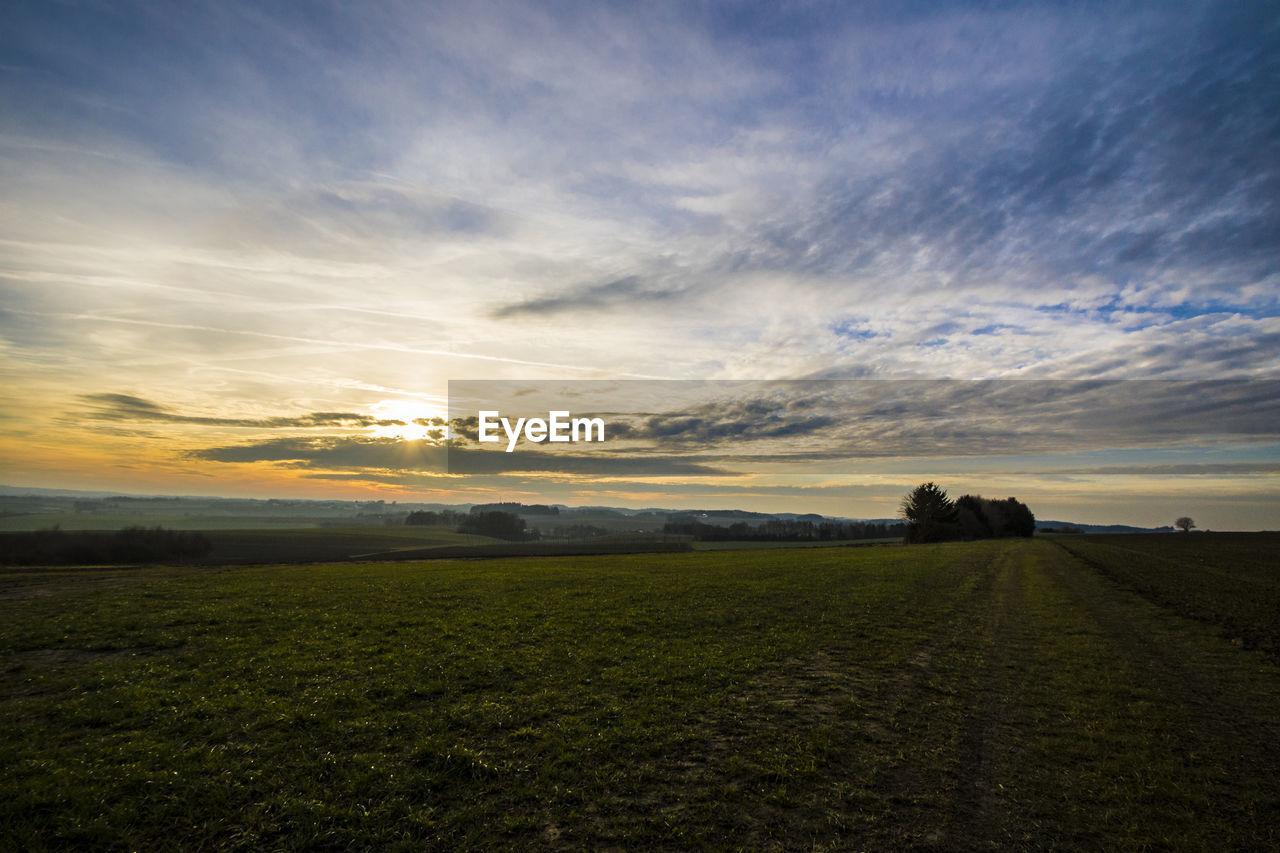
<point x="1220" y="697"/>
<point x="897" y="726"/>
<point x="939" y="735"/>
<point x="1210" y="736"/>
<point x="887" y="772"/>
<point x="914" y="732"/>
<point x="1011" y="716"/>
<point x="946" y="790"/>
<point x="1187" y="673"/>
<point x="977" y="811"/>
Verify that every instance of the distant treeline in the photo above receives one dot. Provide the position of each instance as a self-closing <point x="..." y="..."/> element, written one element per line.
<point x="449" y="518"/>
<point x="783" y="530"/>
<point x="127" y="546"/>
<point x="933" y="517"/>
<point x="494" y="523"/>
<point x="425" y="518"/>
<point x="504" y="525"/>
<point x="499" y="525"/>
<point x="515" y="507"/>
<point x="642" y="544"/>
<point x="576" y="531"/>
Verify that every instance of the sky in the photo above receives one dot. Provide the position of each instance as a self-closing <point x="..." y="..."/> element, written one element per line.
<point x="231" y="227"/>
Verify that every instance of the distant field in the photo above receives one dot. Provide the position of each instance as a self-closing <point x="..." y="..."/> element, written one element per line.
<point x="762" y="544"/>
<point x="997" y="694"/>
<point x="328" y="544"/>
<point x="623" y="543"/>
<point x="315" y="545"/>
<point x="301" y="545"/>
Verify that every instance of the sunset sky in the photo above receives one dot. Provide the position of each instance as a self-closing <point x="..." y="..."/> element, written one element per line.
<point x="240" y="240"/>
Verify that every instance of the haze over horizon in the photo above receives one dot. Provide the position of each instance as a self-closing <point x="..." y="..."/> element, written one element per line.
<point x="245" y="249"/>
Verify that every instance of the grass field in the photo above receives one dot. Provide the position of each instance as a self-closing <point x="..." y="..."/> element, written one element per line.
<point x="998" y="694"/>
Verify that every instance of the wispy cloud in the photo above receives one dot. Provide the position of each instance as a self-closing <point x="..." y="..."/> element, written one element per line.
<point x="1187" y="469"/>
<point x="124" y="407"/>
<point x="335" y="452"/>
<point x="629" y="291"/>
<point x="391" y="455"/>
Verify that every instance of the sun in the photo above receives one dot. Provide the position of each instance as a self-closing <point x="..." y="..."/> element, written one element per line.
<point x="413" y="418"/>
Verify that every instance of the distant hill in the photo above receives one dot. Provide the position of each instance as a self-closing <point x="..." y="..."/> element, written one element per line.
<point x="1101" y="528"/>
<point x="31" y="491"/>
<point x="25" y="507"/>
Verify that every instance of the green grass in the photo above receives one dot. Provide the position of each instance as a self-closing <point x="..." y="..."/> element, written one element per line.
<point x="961" y="696"/>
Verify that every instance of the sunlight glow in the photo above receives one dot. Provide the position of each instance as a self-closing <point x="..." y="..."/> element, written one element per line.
<point x="410" y="414"/>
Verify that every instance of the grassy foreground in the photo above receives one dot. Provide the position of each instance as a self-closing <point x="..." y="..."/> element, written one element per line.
<point x="965" y="696"/>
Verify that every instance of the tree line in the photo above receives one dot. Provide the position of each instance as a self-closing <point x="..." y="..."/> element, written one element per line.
<point x="785" y="530"/>
<point x="931" y="516"/>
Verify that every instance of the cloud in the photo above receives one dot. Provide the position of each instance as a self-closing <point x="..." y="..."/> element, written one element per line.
<point x="724" y="423"/>
<point x="480" y="462"/>
<point x="628" y="291"/>
<point x="753" y="423"/>
<point x="1185" y="469"/>
<point x="124" y="407"/>
<point x="1043" y="187"/>
<point x="334" y="452"/>
<point x="390" y="454"/>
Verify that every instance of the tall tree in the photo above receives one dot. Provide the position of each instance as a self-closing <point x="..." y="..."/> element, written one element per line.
<point x="930" y="514"/>
<point x="1184" y="524"/>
